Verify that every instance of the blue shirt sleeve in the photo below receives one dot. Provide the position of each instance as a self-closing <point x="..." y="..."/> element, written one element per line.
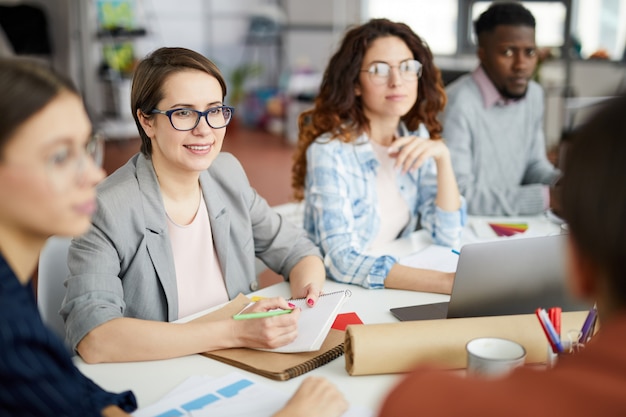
<point x="444" y="227"/>
<point x="334" y="214"/>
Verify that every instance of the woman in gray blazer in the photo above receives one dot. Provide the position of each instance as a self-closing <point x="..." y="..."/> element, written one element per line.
<point x="180" y="226"/>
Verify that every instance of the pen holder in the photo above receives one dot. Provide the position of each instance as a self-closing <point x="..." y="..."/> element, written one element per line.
<point x="570" y="344"/>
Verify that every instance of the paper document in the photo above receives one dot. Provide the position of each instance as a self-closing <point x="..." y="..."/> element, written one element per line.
<point x="439" y="258"/>
<point x="232" y="395"/>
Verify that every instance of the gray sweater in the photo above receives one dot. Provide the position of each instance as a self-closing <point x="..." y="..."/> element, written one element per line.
<point x="498" y="153"/>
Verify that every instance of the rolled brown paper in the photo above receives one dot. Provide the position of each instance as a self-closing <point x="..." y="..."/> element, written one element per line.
<point x="398" y="347"/>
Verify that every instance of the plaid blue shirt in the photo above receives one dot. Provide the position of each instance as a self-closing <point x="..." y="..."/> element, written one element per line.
<point x="37" y="375"/>
<point x="341" y="210"/>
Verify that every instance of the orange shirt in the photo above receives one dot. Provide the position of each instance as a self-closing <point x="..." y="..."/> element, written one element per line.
<point x="589" y="383"/>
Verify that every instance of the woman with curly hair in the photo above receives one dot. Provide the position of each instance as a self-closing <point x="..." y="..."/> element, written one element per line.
<point x="371" y="165"/>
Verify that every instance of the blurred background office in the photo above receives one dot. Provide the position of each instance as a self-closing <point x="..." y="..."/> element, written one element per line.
<point x="272" y="53"/>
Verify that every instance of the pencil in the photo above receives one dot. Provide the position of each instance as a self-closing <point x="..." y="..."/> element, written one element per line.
<point x="261" y="314"/>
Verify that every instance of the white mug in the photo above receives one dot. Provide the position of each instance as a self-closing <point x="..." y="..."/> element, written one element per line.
<point x="493" y="357"/>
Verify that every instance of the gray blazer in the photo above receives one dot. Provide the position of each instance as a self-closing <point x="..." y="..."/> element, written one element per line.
<point x="124" y="267"/>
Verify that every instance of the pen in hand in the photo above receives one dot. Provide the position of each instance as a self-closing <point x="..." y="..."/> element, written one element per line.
<point x="261" y="314"/>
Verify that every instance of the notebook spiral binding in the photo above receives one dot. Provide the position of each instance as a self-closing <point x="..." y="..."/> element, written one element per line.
<point x="347" y="292"/>
<point x="322" y="359"/>
<point x="316" y="362"/>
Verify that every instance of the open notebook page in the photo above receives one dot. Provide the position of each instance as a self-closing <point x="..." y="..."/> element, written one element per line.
<point x="314" y="322"/>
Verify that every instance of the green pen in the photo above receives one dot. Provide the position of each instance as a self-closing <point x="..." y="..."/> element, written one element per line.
<point x="261" y="314"/>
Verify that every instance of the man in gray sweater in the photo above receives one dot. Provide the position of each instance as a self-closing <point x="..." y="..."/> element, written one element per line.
<point x="493" y="122"/>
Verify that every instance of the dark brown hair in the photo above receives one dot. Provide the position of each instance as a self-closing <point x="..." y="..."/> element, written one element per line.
<point x="339" y="111"/>
<point x="26" y="87"/>
<point x="151" y="74"/>
<point x="594" y="194"/>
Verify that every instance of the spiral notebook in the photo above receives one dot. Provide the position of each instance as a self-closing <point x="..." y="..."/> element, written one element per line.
<point x="314" y="323"/>
<point x="282" y="366"/>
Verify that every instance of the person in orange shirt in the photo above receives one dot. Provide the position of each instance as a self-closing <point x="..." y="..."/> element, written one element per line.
<point x="593" y="380"/>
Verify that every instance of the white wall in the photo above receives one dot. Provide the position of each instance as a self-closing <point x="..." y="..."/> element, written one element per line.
<point x="214" y="28"/>
<point x="313" y="29"/>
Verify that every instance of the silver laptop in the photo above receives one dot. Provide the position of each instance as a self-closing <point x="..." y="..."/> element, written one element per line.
<point x="513" y="276"/>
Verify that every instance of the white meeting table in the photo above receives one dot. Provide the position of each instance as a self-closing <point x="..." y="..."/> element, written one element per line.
<point x="151" y="380"/>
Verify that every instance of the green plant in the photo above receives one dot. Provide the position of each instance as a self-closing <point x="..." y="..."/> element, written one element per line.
<point x="238" y="78"/>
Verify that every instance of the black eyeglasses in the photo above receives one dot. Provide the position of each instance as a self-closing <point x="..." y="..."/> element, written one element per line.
<point x="410" y="70"/>
<point x="187" y="119"/>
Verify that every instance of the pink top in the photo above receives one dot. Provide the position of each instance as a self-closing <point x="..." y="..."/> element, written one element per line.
<point x="393" y="209"/>
<point x="199" y="277"/>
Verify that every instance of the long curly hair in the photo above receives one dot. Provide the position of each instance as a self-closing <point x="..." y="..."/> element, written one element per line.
<point x="338" y="111"/>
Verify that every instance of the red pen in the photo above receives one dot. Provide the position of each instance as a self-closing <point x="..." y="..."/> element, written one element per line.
<point x="554" y="314"/>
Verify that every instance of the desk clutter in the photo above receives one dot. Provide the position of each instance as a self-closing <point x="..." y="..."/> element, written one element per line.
<point x="379" y="350"/>
<point x="392" y="347"/>
<point x="573" y="340"/>
<point x="282" y="366"/>
<point x="399" y="347"/>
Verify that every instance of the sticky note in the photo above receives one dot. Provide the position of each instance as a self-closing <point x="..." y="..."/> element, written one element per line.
<point x="343" y="320"/>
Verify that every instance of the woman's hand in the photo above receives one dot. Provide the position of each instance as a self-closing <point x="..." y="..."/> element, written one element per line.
<point x="316" y="397"/>
<point x="412" y="151"/>
<point x="306" y="279"/>
<point x="311" y="294"/>
<point x="268" y="332"/>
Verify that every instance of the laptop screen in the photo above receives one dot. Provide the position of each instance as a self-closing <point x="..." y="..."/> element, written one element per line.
<point x="508" y="276"/>
<point x="512" y="276"/>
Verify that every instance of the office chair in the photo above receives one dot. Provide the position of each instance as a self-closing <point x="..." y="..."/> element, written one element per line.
<point x="53" y="272"/>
